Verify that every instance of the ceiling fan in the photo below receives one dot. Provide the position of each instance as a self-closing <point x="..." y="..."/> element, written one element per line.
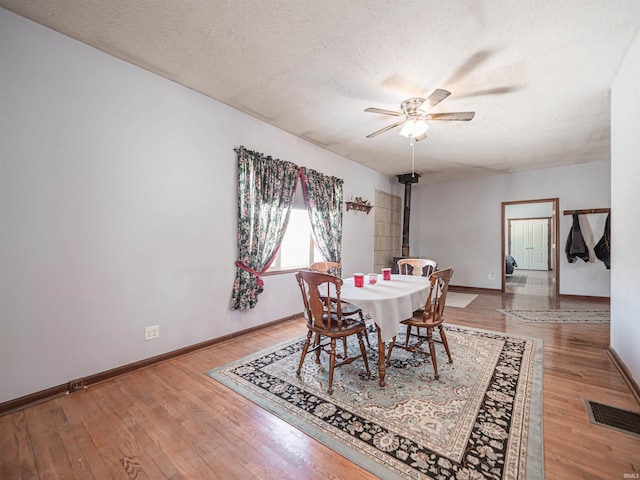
<point x="414" y="124"/>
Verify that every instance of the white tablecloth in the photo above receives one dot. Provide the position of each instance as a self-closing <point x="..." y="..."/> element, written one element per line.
<point x="388" y="301"/>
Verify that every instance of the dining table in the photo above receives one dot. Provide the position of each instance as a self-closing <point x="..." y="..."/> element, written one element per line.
<point x="388" y="302"/>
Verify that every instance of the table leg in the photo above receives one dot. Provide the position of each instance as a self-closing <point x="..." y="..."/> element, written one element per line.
<point x="381" y="360"/>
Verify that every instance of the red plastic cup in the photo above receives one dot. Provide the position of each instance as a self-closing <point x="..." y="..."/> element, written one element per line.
<point x="358" y="279"/>
<point x="386" y="274"/>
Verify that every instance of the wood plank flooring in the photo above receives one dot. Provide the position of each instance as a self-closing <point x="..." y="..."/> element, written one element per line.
<point x="171" y="421"/>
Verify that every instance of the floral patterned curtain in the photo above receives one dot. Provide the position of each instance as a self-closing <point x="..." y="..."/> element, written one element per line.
<point x="323" y="198"/>
<point x="265" y="194"/>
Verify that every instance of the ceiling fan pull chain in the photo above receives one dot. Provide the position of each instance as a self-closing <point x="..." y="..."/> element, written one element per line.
<point x="413" y="158"/>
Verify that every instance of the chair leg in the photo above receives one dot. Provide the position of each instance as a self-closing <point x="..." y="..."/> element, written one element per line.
<point x="406" y="340"/>
<point x="432" y="349"/>
<point x="366" y="332"/>
<point x="344" y="345"/>
<point x="305" y="348"/>
<point x="445" y="343"/>
<point x="316" y="342"/>
<point x="364" y="353"/>
<point x="391" y="345"/>
<point x="332" y="364"/>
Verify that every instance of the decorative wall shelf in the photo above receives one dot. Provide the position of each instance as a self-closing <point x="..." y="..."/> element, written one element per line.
<point x="359" y="207"/>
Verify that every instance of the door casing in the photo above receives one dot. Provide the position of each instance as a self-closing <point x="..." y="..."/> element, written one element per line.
<point x="554" y="258"/>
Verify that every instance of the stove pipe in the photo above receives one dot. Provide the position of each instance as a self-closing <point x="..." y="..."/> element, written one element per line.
<point x="408" y="179"/>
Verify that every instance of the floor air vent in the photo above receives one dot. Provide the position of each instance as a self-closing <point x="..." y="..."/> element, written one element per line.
<point x="612" y="417"/>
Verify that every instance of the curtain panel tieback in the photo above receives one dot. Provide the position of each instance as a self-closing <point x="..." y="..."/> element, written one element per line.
<point x="251" y="270"/>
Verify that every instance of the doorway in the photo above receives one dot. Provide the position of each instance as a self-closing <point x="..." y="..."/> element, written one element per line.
<point x="529" y="242"/>
<point x="530" y="247"/>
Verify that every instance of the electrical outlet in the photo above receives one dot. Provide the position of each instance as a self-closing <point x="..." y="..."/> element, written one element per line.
<point x="491" y="276"/>
<point x="151" y="332"/>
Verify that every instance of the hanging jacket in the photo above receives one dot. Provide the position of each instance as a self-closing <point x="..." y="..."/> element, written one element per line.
<point x="603" y="247"/>
<point x="576" y="246"/>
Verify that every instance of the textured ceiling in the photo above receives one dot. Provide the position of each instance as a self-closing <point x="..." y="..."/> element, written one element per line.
<point x="536" y="72"/>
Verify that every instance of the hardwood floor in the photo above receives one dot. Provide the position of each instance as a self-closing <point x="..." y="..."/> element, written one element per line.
<point x="538" y="282"/>
<point x="172" y="421"/>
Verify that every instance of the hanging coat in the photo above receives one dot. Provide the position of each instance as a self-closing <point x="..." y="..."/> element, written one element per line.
<point x="576" y="246"/>
<point x="603" y="247"/>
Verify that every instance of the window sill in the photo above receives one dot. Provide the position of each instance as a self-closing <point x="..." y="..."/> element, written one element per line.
<point x="279" y="272"/>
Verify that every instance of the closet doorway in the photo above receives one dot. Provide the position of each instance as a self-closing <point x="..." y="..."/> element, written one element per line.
<point x="530" y="247"/>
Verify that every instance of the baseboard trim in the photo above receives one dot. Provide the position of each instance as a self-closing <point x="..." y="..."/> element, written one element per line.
<point x="626" y="374"/>
<point x="71" y="387"/>
<point x="459" y="288"/>
<point x="34" y="398"/>
<point x="585" y="297"/>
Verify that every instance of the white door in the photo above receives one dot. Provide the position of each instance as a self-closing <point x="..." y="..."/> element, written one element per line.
<point x="539" y="244"/>
<point x="518" y="246"/>
<point x="529" y="243"/>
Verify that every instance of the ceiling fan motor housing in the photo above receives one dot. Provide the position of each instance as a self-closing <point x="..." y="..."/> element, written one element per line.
<point x="411" y="106"/>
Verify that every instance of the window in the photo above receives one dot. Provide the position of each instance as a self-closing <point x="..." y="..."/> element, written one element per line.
<point x="298" y="250"/>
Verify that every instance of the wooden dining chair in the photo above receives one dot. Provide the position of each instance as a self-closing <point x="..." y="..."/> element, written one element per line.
<point x="334" y="268"/>
<point x="430" y="318"/>
<point x="326" y="320"/>
<point x="417" y="266"/>
<point x="348" y="309"/>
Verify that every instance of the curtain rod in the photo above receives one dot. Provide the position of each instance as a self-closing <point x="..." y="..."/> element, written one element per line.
<point x="587" y="211"/>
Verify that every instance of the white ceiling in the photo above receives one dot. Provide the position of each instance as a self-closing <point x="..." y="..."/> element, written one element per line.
<point x="536" y="72"/>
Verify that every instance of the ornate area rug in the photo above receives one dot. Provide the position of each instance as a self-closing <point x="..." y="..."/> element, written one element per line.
<point x="481" y="419"/>
<point x="560" y="316"/>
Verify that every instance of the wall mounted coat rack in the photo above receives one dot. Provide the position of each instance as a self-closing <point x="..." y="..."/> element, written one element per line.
<point x="586" y="211"/>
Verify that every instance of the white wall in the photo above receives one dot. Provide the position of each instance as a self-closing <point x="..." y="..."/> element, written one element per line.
<point x="458" y="223"/>
<point x="625" y="224"/>
<point x="118" y="211"/>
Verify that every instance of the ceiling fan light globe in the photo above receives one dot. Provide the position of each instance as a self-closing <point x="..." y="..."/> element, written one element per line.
<point x="420" y="128"/>
<point x="408" y="128"/>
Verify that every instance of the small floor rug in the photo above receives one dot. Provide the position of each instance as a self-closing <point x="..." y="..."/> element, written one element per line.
<point x="559" y="316"/>
<point x="459" y="300"/>
<point x="516" y="280"/>
<point x="481" y="419"/>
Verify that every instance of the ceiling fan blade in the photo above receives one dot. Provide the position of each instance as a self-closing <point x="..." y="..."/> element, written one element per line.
<point x="459" y="116"/>
<point x="382" y="130"/>
<point x="492" y="91"/>
<point x="382" y="111"/>
<point x="436" y="97"/>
